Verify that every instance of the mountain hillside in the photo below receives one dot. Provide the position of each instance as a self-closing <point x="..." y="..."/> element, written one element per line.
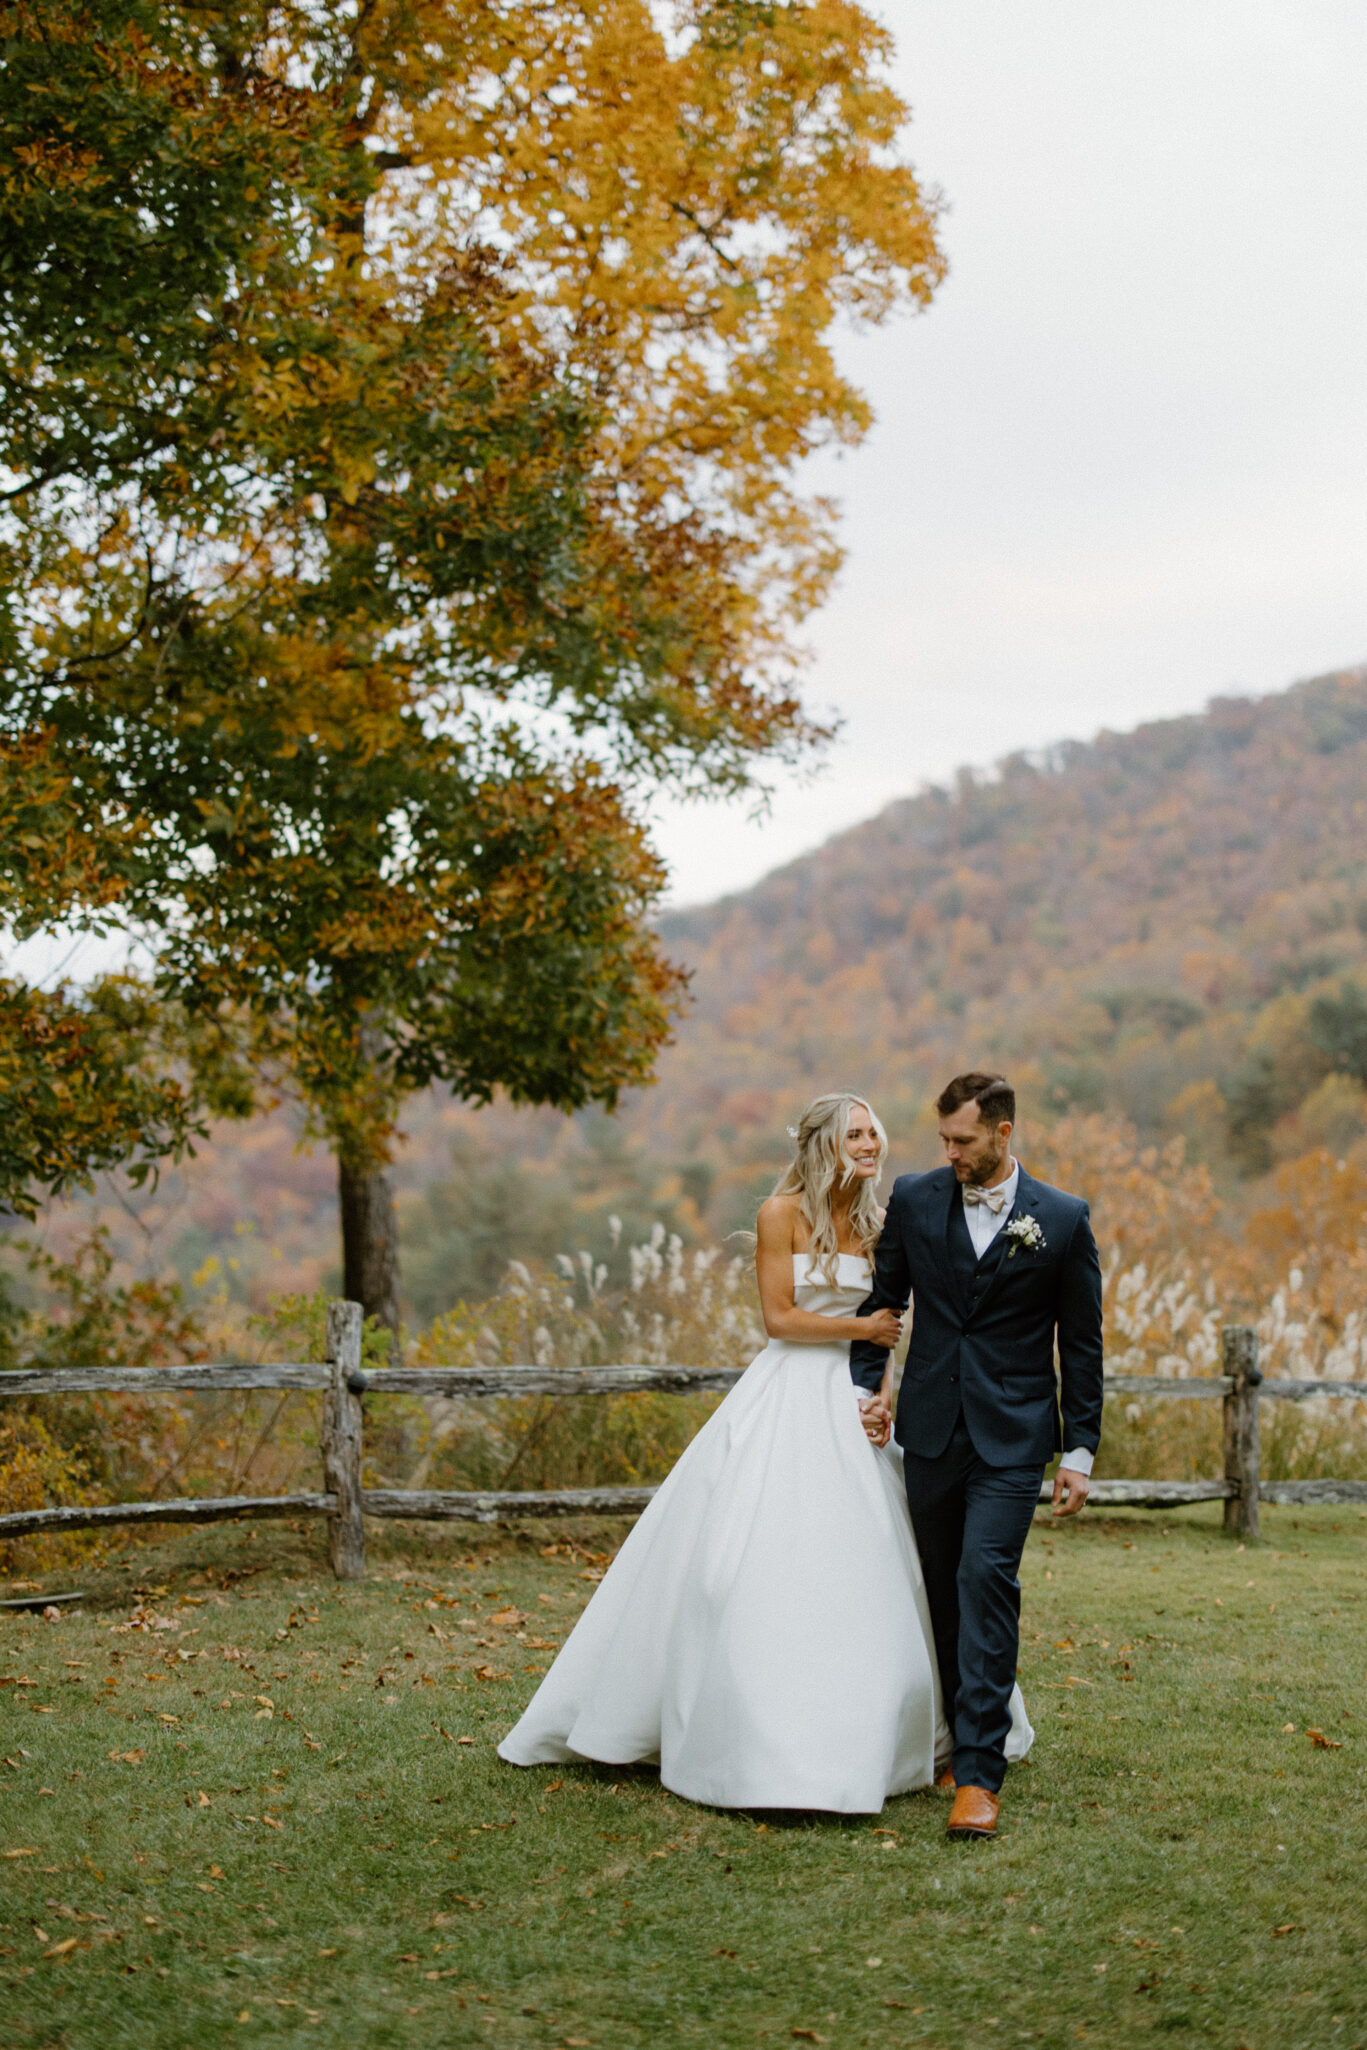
<point x="1166" y="924"/>
<point x="1168" y="927"/>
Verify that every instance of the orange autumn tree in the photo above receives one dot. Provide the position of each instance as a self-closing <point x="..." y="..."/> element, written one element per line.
<point x="383" y="549"/>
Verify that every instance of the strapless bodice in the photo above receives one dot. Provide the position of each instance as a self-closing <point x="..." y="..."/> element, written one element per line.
<point x="831" y="1299"/>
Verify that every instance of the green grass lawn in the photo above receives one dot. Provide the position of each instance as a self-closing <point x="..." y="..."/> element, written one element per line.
<point x="281" y="1817"/>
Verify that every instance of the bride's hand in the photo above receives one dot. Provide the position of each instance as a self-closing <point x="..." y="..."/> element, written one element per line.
<point x="876" y="1420"/>
<point x="884" y="1327"/>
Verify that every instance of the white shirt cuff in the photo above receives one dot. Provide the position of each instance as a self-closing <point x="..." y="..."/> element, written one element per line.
<point x="1078" y="1462"/>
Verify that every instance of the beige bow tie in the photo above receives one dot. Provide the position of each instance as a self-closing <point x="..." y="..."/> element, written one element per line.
<point x="994" y="1199"/>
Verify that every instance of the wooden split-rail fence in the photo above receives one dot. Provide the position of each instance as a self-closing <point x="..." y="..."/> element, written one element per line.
<point x="346" y="1501"/>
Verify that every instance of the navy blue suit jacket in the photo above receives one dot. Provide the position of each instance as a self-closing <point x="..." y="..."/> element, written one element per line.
<point x="983" y="1339"/>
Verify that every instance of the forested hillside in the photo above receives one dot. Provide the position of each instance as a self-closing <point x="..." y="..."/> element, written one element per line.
<point x="1167" y="924"/>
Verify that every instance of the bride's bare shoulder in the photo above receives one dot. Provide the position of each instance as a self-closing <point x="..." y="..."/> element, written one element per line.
<point x="778" y="1223"/>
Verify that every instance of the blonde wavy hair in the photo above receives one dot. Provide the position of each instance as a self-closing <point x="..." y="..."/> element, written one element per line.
<point x="820" y="1166"/>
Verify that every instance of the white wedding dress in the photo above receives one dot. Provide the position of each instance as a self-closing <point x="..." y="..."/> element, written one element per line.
<point x="763" y="1633"/>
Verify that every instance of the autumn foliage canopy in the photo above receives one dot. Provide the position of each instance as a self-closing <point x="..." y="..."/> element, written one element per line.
<point x="408" y="488"/>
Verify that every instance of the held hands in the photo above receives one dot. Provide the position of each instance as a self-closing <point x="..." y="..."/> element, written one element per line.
<point x="884" y="1327"/>
<point x="1077" y="1486"/>
<point x="876" y="1418"/>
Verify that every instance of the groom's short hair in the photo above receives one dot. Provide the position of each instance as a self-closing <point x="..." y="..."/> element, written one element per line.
<point x="993" y="1094"/>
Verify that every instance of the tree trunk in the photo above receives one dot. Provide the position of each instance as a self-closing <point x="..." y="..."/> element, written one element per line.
<point x="370" y="1245"/>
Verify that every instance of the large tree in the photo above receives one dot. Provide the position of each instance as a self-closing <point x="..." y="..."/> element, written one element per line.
<point x="410" y="488"/>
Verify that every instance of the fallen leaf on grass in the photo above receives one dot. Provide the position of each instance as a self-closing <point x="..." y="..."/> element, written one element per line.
<point x="1289" y="1929"/>
<point x="1323" y="1743"/>
<point x="508" y="1617"/>
<point x="127" y="1757"/>
<point x="24" y="1851"/>
<point x="61" y="1949"/>
<point x="810" y="2036"/>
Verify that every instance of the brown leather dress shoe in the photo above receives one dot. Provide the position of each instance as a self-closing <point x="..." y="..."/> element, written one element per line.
<point x="946" y="1782"/>
<point x="974" y="1813"/>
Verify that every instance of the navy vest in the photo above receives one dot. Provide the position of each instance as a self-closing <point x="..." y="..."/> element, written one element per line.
<point x="970" y="1273"/>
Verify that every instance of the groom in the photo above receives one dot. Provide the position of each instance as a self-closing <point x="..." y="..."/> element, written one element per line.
<point x="999" y="1266"/>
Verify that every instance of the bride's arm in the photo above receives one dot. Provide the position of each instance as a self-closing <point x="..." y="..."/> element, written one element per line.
<point x="782" y="1317"/>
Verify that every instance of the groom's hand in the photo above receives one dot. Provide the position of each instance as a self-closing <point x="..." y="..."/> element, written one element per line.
<point x="1078" y="1487"/>
<point x="876" y="1418"/>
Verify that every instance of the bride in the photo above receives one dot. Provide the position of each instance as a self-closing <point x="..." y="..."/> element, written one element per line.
<point x="763" y="1633"/>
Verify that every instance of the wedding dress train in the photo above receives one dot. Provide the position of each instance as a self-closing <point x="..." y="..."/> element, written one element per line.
<point x="763" y="1633"/>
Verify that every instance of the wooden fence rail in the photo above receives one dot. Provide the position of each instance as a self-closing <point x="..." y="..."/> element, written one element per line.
<point x="346" y="1502"/>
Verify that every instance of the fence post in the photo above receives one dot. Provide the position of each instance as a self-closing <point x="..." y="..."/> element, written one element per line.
<point x="1239" y="1358"/>
<point x="342" y="1441"/>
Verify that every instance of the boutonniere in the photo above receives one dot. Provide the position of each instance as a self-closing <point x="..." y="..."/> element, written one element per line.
<point x="1024" y="1232"/>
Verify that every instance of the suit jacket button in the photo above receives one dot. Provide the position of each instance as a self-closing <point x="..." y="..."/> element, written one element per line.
<point x="953" y="1377"/>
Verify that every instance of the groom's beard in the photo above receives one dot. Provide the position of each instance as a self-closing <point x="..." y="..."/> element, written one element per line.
<point x="986" y="1170"/>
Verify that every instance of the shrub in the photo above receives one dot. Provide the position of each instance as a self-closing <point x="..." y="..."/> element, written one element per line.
<point x="36" y="1473"/>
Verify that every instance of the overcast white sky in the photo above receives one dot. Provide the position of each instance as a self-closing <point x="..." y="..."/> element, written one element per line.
<point x="1121" y="465"/>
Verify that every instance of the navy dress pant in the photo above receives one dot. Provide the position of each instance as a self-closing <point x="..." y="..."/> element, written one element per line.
<point x="971" y="1522"/>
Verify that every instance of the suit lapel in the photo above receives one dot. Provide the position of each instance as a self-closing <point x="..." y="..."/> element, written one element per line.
<point x="994" y="1262"/>
<point x="941" y="1211"/>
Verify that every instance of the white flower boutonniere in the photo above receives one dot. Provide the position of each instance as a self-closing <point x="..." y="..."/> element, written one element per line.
<point x="1024" y="1232"/>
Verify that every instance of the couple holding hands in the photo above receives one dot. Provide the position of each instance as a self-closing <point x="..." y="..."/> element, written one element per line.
<point x="820" y="1607"/>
